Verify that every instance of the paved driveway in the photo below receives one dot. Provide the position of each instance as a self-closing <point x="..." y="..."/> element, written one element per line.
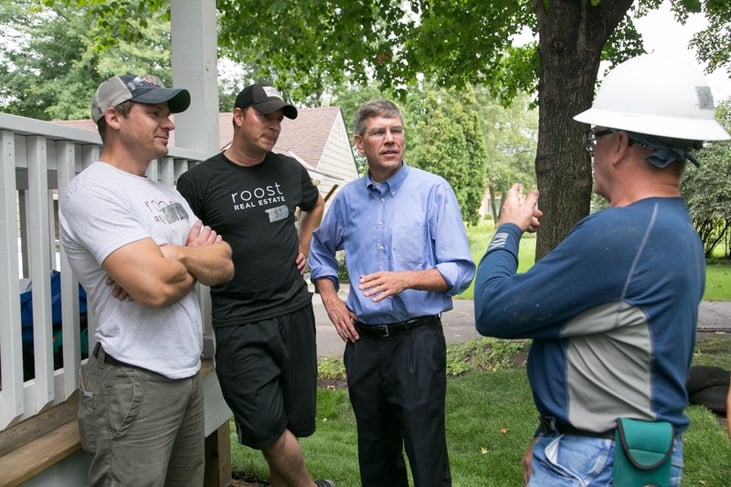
<point x="459" y="324"/>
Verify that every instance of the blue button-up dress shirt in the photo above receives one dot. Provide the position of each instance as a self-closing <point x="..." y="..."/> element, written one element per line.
<point x="409" y="222"/>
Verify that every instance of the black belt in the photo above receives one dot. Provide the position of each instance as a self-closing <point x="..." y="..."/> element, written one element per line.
<point x="394" y="328"/>
<point x="105" y="358"/>
<point x="553" y="425"/>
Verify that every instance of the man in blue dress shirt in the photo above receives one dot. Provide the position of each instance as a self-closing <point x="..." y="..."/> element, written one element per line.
<point x="406" y="255"/>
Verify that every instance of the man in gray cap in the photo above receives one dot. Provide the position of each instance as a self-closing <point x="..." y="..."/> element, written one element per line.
<point x="263" y="320"/>
<point x="138" y="250"/>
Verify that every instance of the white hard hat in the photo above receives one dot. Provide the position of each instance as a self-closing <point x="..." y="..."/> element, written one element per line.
<point x="656" y="95"/>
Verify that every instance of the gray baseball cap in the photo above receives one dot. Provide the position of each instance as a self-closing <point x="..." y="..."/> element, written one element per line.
<point x="145" y="89"/>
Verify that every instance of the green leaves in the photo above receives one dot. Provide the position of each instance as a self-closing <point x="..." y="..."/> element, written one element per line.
<point x="447" y="140"/>
<point x="707" y="190"/>
<point x="310" y="44"/>
<point x="58" y="60"/>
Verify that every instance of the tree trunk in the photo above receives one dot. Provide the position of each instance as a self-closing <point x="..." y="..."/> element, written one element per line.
<point x="571" y="37"/>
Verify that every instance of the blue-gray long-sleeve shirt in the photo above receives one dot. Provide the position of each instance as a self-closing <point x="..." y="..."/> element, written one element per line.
<point x="612" y="310"/>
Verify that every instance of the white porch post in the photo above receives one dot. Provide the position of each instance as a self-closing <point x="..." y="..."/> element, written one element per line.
<point x="194" y="58"/>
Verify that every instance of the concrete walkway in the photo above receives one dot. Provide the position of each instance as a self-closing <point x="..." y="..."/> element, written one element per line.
<point x="459" y="324"/>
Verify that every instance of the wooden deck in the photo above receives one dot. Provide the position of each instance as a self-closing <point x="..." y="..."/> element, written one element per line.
<point x="37" y="444"/>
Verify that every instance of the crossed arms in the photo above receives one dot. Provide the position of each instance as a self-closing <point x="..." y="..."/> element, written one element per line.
<point x="158" y="276"/>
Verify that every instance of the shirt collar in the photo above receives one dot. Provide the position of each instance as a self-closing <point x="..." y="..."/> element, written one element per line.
<point x="393" y="183"/>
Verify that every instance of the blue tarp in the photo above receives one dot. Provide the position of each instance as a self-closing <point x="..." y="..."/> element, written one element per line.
<point x="26" y="312"/>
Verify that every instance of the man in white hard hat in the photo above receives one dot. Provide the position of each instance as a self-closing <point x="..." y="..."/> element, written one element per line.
<point x="613" y="308"/>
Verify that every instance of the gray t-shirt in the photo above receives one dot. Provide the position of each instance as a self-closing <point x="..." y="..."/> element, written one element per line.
<point x="102" y="210"/>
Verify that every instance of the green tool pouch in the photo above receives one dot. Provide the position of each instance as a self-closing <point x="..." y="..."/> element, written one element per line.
<point x="642" y="453"/>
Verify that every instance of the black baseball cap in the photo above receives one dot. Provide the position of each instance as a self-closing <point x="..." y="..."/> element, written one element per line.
<point x="266" y="99"/>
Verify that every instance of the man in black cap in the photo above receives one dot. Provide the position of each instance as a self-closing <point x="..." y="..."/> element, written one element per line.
<point x="141" y="398"/>
<point x="263" y="321"/>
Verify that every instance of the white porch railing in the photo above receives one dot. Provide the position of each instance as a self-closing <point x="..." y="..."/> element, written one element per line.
<point x="38" y="159"/>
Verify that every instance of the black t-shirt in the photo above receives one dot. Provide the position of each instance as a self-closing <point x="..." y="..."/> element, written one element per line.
<point x="253" y="209"/>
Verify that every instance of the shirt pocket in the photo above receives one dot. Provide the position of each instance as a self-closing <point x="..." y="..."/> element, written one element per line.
<point x="410" y="246"/>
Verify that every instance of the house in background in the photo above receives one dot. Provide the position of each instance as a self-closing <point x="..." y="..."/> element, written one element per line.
<point x="317" y="138"/>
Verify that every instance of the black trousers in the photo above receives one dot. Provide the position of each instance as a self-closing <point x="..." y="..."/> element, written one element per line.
<point x="397" y="387"/>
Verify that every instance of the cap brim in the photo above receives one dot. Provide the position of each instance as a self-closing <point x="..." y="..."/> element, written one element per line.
<point x="272" y="106"/>
<point x="178" y="99"/>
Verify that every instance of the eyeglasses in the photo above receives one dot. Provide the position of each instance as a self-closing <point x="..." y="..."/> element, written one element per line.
<point x="591" y="137"/>
<point x="381" y="132"/>
<point x="146" y="81"/>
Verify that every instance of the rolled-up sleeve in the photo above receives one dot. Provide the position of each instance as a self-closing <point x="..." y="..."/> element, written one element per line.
<point x="454" y="260"/>
<point x="322" y="259"/>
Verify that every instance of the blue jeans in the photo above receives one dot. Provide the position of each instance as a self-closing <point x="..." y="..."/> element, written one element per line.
<point x="583" y="461"/>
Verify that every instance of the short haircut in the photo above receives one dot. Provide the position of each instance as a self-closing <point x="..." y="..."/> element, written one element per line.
<point x="373" y="108"/>
<point x="122" y="109"/>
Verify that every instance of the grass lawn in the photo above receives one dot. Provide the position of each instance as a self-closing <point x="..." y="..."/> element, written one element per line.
<point x="718" y="282"/>
<point x="490" y="420"/>
<point x="490" y="412"/>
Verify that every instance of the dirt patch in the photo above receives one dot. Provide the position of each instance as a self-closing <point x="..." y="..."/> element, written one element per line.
<point x="518" y="359"/>
<point x="242" y="480"/>
<point x="244" y="483"/>
<point x="704" y="335"/>
<point x="332" y="383"/>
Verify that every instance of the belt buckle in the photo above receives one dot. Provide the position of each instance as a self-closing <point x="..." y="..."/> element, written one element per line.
<point x="385" y="329"/>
